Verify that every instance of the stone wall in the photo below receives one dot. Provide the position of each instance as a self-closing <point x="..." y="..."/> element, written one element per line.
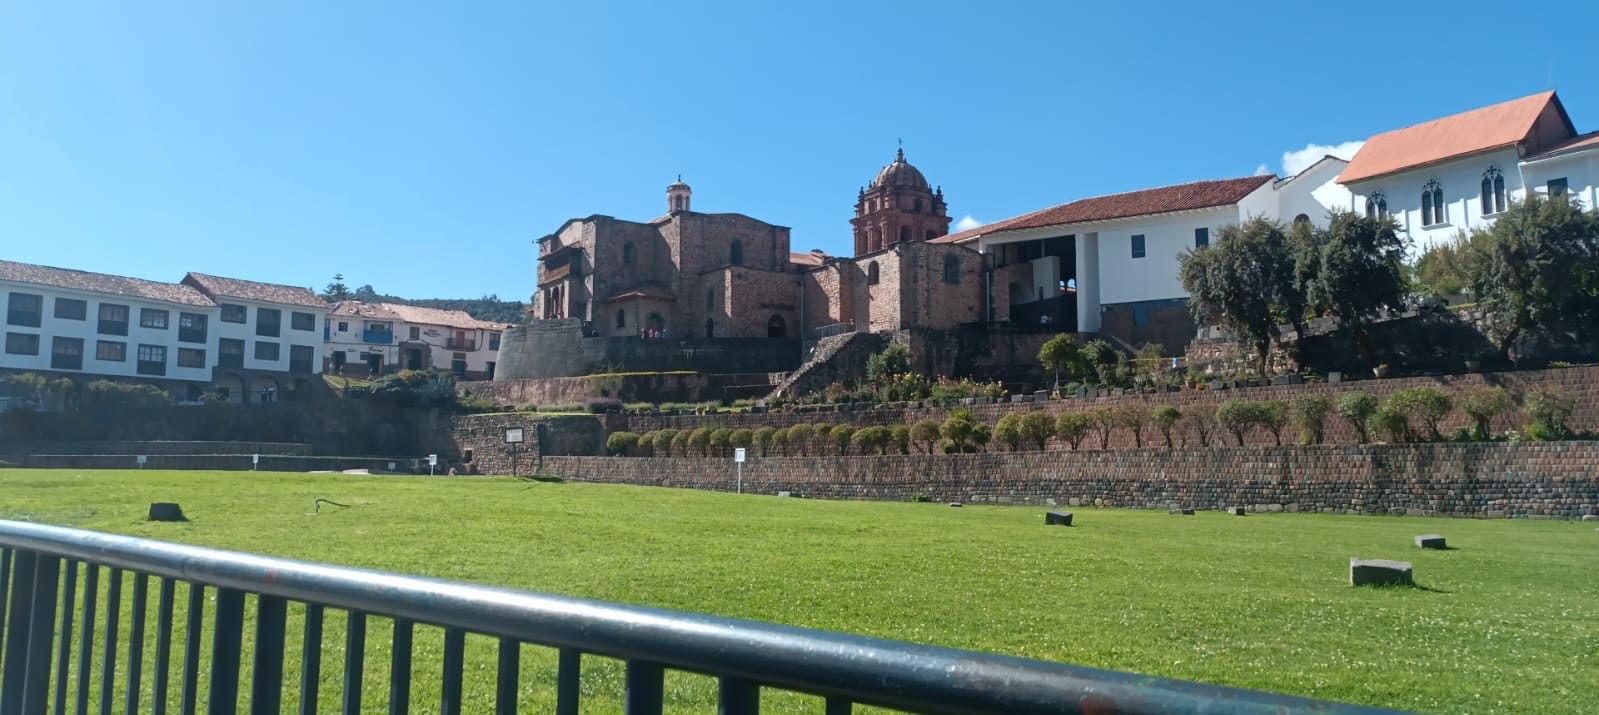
<point x="1537" y="480"/>
<point x="557" y="348"/>
<point x="226" y="462"/>
<point x="478" y="441"/>
<point x="171" y="447"/>
<point x="646" y="387"/>
<point x="1579" y="383"/>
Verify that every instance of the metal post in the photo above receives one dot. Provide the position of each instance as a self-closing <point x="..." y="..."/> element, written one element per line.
<point x="740" y="488"/>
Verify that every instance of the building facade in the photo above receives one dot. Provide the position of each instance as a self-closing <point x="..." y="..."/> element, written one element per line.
<point x="898" y="207"/>
<point x="371" y="339"/>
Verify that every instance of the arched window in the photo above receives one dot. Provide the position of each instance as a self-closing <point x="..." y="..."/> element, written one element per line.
<point x="1377" y="206"/>
<point x="1493" y="191"/>
<point x="678" y="203"/>
<point x="621" y="318"/>
<point x="1432" y="204"/>
<point x="871" y="273"/>
<point x="1302" y="218"/>
<point x="737" y="258"/>
<point x="627" y="253"/>
<point x="952" y="270"/>
<point x="655" y="322"/>
<point x="904" y="234"/>
<point x="776" y="328"/>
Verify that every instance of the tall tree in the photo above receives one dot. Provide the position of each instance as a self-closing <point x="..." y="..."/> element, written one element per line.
<point x="1355" y="270"/>
<point x="1243" y="282"/>
<point x="336" y="290"/>
<point x="1535" y="272"/>
<point x="1060" y="353"/>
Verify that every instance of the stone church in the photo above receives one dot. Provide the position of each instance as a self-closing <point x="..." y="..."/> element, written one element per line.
<point x="693" y="275"/>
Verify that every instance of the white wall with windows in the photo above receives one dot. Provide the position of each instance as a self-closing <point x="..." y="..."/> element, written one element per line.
<point x="1472" y="189"/>
<point x="70" y="331"/>
<point x="364" y="341"/>
<point x="1577" y="174"/>
<point x="255" y="335"/>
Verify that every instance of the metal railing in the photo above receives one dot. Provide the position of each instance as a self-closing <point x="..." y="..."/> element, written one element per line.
<point x="41" y="566"/>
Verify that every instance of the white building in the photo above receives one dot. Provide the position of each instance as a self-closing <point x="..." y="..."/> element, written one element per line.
<point x="372" y="338"/>
<point x="1109" y="264"/>
<point x="1458" y="173"/>
<point x="242" y="340"/>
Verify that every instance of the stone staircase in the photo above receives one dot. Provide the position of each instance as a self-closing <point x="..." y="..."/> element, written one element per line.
<point x="833" y="358"/>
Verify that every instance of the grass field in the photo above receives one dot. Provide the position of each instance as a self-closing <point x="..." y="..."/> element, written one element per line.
<point x="1507" y="621"/>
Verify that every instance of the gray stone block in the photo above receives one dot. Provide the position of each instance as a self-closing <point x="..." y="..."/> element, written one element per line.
<point x="1431" y="541"/>
<point x="1182" y="512"/>
<point x="1590" y="517"/>
<point x="1236" y="510"/>
<point x="1380" y="572"/>
<point x="166" y="511"/>
<point x="955" y="504"/>
<point x="1063" y="518"/>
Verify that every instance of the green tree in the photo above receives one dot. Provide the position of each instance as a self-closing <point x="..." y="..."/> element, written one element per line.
<point x="1420" y="406"/>
<point x="664" y="441"/>
<point x="799" y="438"/>
<point x="1151" y="359"/>
<point x="764" y="437"/>
<point x="721" y="439"/>
<point x="1392" y="421"/>
<point x="1106" y="420"/>
<point x="1550" y="415"/>
<point x="893" y="360"/>
<point x="1241" y="282"/>
<point x="1058" y="354"/>
<point x="1237" y="417"/>
<point x="1355" y="272"/>
<point x="1273" y="415"/>
<point x="1073" y="427"/>
<point x="1165" y="418"/>
<point x="1203" y="419"/>
<point x="336" y="290"/>
<point x="870" y="440"/>
<point x="1037" y="428"/>
<point x="742" y="438"/>
<point x="1310" y="416"/>
<point x="622" y="444"/>
<point x="681" y="442"/>
<point x="1098" y="359"/>
<point x="1445" y="269"/>
<point x="1482" y="404"/>
<point x="1133" y="417"/>
<point x="1008" y="431"/>
<point x="900" y="436"/>
<point x="700" y="439"/>
<point x="1357" y="408"/>
<point x="926" y="433"/>
<point x="780" y="440"/>
<point x="960" y="429"/>
<point x="841" y="435"/>
<point x="1535" y="272"/>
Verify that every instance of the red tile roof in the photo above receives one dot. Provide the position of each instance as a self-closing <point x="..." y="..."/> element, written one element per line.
<point x="1501" y="125"/>
<point x="101" y="283"/>
<point x="1577" y="143"/>
<point x="1146" y="202"/>
<point x="434" y="316"/>
<point x="217" y="286"/>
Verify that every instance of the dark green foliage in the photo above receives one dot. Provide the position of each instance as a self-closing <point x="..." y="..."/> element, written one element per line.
<point x="1073" y="427"/>
<point x="415" y="388"/>
<point x="1310" y="416"/>
<point x="1534" y="271"/>
<point x="1482" y="405"/>
<point x="1037" y="428"/>
<point x="1352" y="271"/>
<point x="841" y="436"/>
<point x="1358" y="408"/>
<point x="1243" y="282"/>
<point x="1446" y="269"/>
<point x="1165" y="418"/>
<point x="1238" y="417"/>
<point x="1550" y="415"/>
<point x="960" y="430"/>
<point x="1061" y="355"/>
<point x="1008" y="431"/>
<point x="893" y="360"/>
<point x="1420" y="407"/>
<point x="900" y="437"/>
<point x="622" y="444"/>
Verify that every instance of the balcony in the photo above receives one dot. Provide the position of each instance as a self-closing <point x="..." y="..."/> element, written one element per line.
<point x="555" y="273"/>
<point x="377" y="337"/>
<point x="468" y="344"/>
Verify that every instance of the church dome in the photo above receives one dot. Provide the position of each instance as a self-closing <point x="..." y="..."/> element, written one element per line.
<point x="901" y="173"/>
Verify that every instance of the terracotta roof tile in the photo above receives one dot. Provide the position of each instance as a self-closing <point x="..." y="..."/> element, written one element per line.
<point x="217" y="286"/>
<point x="102" y="283"/>
<point x="435" y="316"/>
<point x="1146" y="202"/>
<point x="1501" y="125"/>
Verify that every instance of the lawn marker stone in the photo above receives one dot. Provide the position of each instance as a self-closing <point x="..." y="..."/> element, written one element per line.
<point x="1236" y="510"/>
<point x="1380" y="572"/>
<point x="1055" y="516"/>
<point x="1590" y="517"/>
<point x="166" y="511"/>
<point x="1181" y="512"/>
<point x="1431" y="541"/>
<point x="955" y="504"/>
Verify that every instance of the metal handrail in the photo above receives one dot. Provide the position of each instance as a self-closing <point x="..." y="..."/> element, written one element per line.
<point x="745" y="655"/>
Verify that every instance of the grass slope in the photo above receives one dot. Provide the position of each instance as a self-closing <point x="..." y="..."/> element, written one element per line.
<point x="1508" y="621"/>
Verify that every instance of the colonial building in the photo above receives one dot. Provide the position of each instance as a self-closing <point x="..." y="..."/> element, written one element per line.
<point x="370" y="339"/>
<point x="1458" y="173"/>
<point x="188" y="338"/>
<point x="898" y="207"/>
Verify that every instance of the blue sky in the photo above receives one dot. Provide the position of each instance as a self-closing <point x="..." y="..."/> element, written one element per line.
<point x="421" y="148"/>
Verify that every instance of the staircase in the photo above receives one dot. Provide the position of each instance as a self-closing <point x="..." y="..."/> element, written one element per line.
<point x="834" y="358"/>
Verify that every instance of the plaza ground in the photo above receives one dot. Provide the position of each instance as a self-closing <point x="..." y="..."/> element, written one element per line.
<point x="1506" y="621"/>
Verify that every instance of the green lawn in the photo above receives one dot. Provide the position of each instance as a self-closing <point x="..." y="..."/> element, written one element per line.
<point x="1507" y="621"/>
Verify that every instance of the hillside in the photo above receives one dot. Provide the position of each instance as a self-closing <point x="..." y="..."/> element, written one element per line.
<point x="489" y="307"/>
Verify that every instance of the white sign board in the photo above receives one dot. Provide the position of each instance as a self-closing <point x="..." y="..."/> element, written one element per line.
<point x="255" y="459"/>
<point x="143" y="459"/>
<point x="513" y="435"/>
<point x="738" y="454"/>
<point x="433" y="460"/>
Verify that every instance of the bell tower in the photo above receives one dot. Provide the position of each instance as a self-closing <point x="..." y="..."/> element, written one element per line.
<point x="898" y="206"/>
<point x="677" y="196"/>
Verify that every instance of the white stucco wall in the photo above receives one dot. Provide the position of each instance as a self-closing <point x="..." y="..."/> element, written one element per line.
<point x="1314" y="193"/>
<point x="1461" y="181"/>
<point x="1124" y="279"/>
<point x="87" y="330"/>
<point x="1579" y="169"/>
<point x="286" y="337"/>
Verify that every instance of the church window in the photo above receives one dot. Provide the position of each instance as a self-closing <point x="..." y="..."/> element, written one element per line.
<point x="677" y="203"/>
<point x="1432" y="204"/>
<point x="871" y="273"/>
<point x="904" y="234"/>
<point x="737" y="257"/>
<point x="1377" y="206"/>
<point x="952" y="270"/>
<point x="1493" y="191"/>
<point x="1202" y="237"/>
<point x="1138" y="245"/>
<point x="1302" y="218"/>
<point x="627" y="253"/>
<point x="1556" y="187"/>
<point x="621" y="318"/>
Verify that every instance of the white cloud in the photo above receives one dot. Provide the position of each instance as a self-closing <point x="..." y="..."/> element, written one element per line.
<point x="967" y="222"/>
<point x="1297" y="161"/>
<point x="1262" y="170"/>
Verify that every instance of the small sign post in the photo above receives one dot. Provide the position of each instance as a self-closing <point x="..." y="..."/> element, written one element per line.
<point x="255" y="462"/>
<point x="433" y="461"/>
<point x="142" y="459"/>
<point x="513" y="437"/>
<point x="738" y="459"/>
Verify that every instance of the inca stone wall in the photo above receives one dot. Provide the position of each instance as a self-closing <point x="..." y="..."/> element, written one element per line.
<point x="1526" y="480"/>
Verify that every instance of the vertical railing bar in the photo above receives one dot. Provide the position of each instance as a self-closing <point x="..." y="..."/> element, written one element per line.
<point x="568" y="677"/>
<point x="266" y="676"/>
<point x="643" y="685"/>
<point x="737" y="696"/>
<point x="91" y="596"/>
<point x="40" y="635"/>
<point x="69" y="597"/>
<point x="163" y="646"/>
<point x="454" y="655"/>
<point x="400" y="668"/>
<point x="354" y="662"/>
<point x="839" y="706"/>
<point x="5" y="582"/>
<point x="505" y="685"/>
<point x="311" y="659"/>
<point x="15" y="671"/>
<point x="141" y="597"/>
<point x="108" y="656"/>
<point x="194" y="622"/>
<point x="227" y="640"/>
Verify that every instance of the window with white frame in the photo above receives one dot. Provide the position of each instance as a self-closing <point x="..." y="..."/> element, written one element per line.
<point x="1493" y="191"/>
<point x="1432" y="204"/>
